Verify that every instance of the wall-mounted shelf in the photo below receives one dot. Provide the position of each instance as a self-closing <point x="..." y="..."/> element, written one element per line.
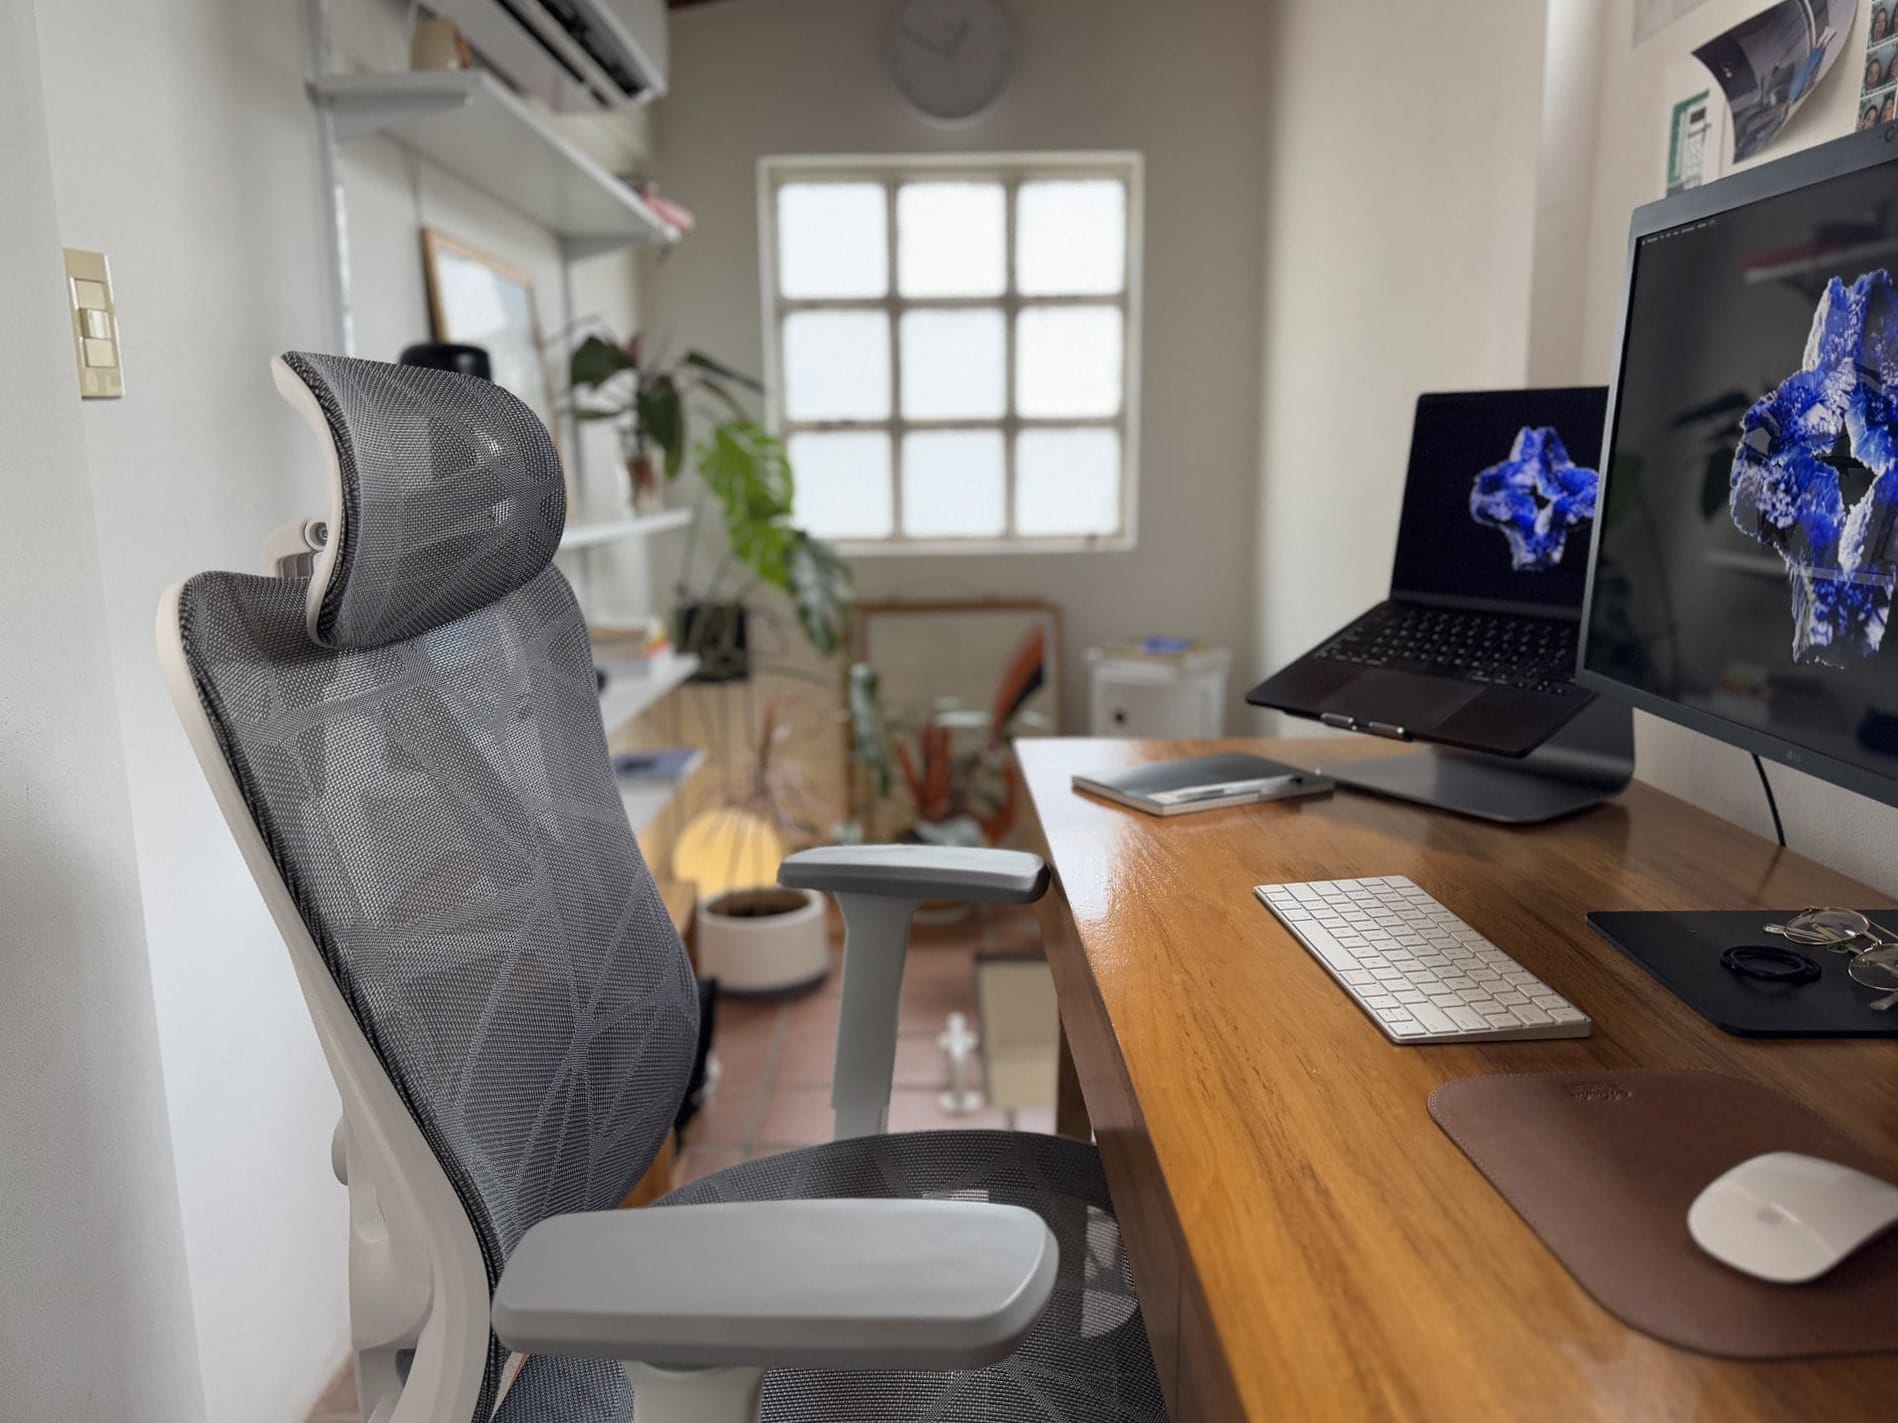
<point x="630" y="692"/>
<point x="646" y="801"/>
<point x="579" y="536"/>
<point x="469" y="123"/>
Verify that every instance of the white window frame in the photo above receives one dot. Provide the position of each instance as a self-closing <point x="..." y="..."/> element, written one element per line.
<point x="1011" y="170"/>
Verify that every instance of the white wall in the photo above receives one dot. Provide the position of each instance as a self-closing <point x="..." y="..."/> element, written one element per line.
<point x="1400" y="240"/>
<point x="1834" y="826"/>
<point x="1183" y="84"/>
<point x="97" y="1317"/>
<point x="196" y="170"/>
<point x="1573" y="48"/>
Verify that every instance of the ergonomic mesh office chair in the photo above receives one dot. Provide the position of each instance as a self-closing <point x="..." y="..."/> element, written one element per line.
<point x="407" y="747"/>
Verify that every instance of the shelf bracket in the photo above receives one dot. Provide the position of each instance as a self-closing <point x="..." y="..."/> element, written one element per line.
<point x="576" y="249"/>
<point x="355" y="118"/>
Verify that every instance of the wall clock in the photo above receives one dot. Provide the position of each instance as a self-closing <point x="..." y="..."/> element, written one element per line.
<point x="950" y="59"/>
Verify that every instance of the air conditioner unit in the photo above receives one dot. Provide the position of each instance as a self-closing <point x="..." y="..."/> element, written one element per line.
<point x="575" y="56"/>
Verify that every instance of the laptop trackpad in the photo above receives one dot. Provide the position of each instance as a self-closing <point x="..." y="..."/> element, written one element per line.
<point x="1402" y="698"/>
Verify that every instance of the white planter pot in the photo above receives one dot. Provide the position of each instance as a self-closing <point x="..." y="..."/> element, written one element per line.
<point x="764" y="953"/>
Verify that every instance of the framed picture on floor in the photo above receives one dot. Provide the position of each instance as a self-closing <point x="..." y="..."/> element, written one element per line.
<point x="477" y="299"/>
<point x="957" y="683"/>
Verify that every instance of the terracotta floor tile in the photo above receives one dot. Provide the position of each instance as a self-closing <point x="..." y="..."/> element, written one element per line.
<point x="809" y="1059"/>
<point x="925" y="933"/>
<point x="748" y="1053"/>
<point x="932" y="965"/>
<point x="797" y="1116"/>
<point x="811" y="1015"/>
<point x="1036" y="1119"/>
<point x="738" y="1015"/>
<point x="917" y="1109"/>
<point x="730" y="1118"/>
<point x="1013" y="929"/>
<point x="697" y="1161"/>
<point x="926" y="1006"/>
<point x="921" y="1062"/>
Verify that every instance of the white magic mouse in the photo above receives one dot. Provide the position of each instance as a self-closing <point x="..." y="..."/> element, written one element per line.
<point x="1789" y="1218"/>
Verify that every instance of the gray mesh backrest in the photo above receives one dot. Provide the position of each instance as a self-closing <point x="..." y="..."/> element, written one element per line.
<point x="442" y="809"/>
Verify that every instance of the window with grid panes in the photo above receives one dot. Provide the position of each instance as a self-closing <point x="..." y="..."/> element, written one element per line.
<point x="952" y="347"/>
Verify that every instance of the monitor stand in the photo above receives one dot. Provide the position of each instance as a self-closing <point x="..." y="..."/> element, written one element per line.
<point x="1588" y="761"/>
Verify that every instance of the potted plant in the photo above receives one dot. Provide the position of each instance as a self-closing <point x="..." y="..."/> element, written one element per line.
<point x="754" y="937"/>
<point x="957" y="766"/>
<point x="763" y="938"/>
<point x="743" y="472"/>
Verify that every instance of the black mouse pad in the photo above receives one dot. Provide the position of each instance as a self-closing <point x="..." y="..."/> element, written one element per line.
<point x="1683" y="950"/>
<point x="1603" y="1166"/>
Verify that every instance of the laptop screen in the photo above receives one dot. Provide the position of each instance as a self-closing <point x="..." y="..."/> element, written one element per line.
<point x="1499" y="503"/>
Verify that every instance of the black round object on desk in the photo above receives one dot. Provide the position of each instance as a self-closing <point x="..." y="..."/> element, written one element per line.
<point x="1770" y="963"/>
<point x="448" y="356"/>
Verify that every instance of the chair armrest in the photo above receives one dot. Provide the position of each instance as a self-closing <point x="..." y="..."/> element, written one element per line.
<point x="844" y="1284"/>
<point x="878" y="889"/>
<point x="919" y="872"/>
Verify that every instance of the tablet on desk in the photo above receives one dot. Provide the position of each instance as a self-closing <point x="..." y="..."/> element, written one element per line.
<point x="1203" y="783"/>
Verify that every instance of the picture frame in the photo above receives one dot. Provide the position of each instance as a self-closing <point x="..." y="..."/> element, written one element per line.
<point x="958" y="663"/>
<point x="957" y="648"/>
<point x="478" y="299"/>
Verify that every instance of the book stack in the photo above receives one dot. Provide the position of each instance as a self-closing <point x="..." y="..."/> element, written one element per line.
<point x="630" y="646"/>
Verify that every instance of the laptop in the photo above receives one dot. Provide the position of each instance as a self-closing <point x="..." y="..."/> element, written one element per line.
<point x="1475" y="646"/>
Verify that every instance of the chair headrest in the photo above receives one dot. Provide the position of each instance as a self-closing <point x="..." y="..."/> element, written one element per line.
<point x="446" y="496"/>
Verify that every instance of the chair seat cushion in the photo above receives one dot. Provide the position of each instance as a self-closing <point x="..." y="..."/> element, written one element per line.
<point x="1085" y="1362"/>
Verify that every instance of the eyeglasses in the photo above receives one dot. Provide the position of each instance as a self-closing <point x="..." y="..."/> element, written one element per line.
<point x="1874" y="949"/>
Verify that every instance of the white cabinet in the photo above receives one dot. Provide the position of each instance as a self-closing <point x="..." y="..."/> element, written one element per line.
<point x="1159" y="697"/>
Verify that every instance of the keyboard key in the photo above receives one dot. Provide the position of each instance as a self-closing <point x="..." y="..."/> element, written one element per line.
<point x="1434" y="1018"/>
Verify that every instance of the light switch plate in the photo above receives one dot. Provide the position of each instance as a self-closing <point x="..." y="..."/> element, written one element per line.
<point x="95" y="325"/>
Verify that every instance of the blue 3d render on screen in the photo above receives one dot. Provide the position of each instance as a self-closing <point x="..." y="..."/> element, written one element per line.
<point x="1746" y="549"/>
<point x="1500" y="497"/>
<point x="1535" y="497"/>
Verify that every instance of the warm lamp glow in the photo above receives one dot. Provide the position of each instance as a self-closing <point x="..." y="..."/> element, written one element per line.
<point x="727" y="849"/>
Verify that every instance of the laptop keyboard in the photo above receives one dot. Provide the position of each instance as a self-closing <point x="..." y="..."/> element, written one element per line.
<point x="1501" y="649"/>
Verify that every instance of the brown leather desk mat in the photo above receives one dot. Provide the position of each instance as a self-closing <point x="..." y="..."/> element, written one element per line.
<point x="1603" y="1167"/>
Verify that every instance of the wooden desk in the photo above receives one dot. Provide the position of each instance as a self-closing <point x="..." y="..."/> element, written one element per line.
<point x="1310" y="1246"/>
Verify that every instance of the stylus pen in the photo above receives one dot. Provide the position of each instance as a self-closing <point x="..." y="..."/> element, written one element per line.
<point x="1230" y="790"/>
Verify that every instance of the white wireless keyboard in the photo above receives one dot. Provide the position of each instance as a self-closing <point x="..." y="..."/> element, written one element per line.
<point x="1422" y="974"/>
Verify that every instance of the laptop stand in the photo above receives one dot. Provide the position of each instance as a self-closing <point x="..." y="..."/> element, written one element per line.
<point x="1590" y="760"/>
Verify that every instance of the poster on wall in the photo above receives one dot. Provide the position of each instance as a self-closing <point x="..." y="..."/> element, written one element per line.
<point x="1880" y="84"/>
<point x="1695" y="116"/>
<point x="1687" y="132"/>
<point x="1769" y="65"/>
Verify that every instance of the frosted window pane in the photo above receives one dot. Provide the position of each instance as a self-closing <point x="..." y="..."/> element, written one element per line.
<point x="953" y="365"/>
<point x="950" y="239"/>
<point x="1068" y="361"/>
<point x="843" y="483"/>
<point x="1067" y="482"/>
<point x="952" y="483"/>
<point x="1071" y="238"/>
<point x="832" y="240"/>
<point x="837" y="365"/>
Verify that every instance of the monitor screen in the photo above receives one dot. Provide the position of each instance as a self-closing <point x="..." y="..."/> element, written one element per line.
<point x="1500" y="498"/>
<point x="1745" y="562"/>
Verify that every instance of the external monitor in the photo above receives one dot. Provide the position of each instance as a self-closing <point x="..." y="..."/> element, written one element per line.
<point x="1745" y="552"/>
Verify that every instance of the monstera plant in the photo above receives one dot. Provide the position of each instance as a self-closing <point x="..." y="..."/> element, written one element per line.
<point x="744" y="474"/>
